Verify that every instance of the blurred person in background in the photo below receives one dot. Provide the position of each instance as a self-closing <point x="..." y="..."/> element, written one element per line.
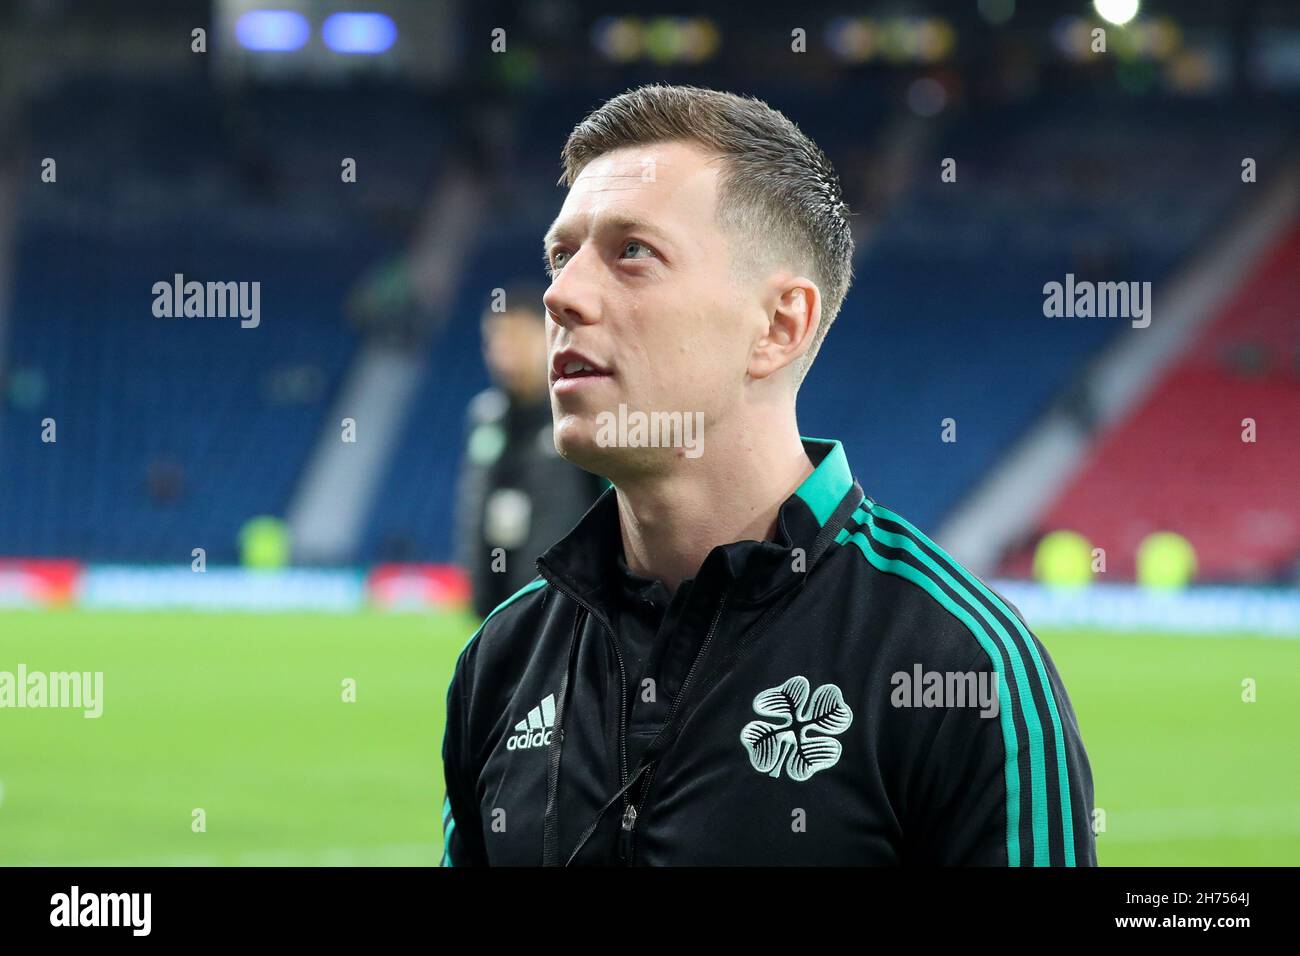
<point x="516" y="496"/>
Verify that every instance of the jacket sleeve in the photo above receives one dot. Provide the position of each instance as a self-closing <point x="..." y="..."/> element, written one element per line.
<point x="983" y="802"/>
<point x="462" y="832"/>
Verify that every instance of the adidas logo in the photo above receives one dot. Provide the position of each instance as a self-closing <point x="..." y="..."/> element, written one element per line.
<point x="535" y="729"/>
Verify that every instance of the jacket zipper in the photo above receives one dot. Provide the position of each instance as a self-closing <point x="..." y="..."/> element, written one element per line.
<point x="626" y="829"/>
<point x="643" y="791"/>
<point x="622" y="680"/>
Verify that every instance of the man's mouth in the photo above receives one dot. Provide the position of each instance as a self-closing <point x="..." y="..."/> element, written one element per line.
<point x="571" y="370"/>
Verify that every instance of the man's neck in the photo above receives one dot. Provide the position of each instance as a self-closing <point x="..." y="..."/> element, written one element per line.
<point x="670" y="522"/>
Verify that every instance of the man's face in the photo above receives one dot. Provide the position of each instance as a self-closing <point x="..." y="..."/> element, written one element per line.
<point x="643" y="292"/>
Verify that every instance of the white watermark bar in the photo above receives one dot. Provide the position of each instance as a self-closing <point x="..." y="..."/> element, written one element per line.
<point x="222" y="589"/>
<point x="1210" y="610"/>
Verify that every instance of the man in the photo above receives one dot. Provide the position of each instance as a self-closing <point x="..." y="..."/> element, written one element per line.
<point x="516" y="495"/>
<point x="729" y="659"/>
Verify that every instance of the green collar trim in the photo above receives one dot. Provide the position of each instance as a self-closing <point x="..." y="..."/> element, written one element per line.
<point x="825" y="488"/>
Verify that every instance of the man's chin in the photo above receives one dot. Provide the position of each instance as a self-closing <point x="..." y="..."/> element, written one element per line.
<point x="575" y="440"/>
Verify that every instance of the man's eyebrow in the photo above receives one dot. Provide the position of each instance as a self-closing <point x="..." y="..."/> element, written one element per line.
<point x="615" y="222"/>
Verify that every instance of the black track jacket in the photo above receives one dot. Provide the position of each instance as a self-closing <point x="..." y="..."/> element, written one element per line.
<point x="845" y="694"/>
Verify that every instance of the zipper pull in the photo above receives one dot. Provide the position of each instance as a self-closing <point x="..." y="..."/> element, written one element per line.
<point x="625" y="838"/>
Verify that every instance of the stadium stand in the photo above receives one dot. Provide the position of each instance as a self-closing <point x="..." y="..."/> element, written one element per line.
<point x="163" y="425"/>
<point x="1149" y="472"/>
<point x="965" y="325"/>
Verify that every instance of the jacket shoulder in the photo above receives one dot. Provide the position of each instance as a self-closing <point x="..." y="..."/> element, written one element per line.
<point x="952" y="609"/>
<point x="509" y="622"/>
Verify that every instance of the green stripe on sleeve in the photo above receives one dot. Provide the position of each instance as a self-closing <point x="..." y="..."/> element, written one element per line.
<point x="448" y="827"/>
<point x="1062" y="768"/>
<point x="1009" y="736"/>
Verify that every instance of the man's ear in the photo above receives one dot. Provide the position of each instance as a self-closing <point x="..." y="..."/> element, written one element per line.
<point x="792" y="326"/>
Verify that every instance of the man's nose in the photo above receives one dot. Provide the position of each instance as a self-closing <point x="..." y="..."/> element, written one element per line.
<point x="572" y="297"/>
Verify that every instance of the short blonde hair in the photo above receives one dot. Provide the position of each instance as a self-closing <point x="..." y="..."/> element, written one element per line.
<point x="778" y="194"/>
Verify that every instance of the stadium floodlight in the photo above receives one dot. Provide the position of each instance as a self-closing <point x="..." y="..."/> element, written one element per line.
<point x="1118" y="12"/>
<point x="272" y="30"/>
<point x="358" y="32"/>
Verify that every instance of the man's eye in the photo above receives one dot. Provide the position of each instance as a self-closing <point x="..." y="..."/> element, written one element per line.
<point x="555" y="262"/>
<point x="635" y="244"/>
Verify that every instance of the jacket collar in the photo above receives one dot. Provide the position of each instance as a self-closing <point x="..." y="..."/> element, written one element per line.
<point x="586" y="559"/>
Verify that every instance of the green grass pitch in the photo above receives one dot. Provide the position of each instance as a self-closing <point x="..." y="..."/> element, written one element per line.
<point x="242" y="716"/>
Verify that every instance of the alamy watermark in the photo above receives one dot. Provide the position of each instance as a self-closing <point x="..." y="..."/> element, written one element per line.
<point x="1102" y="300"/>
<point x="922" y="688"/>
<point x="636" y="429"/>
<point x="130" y="910"/>
<point x="67" y="690"/>
<point x="209" y="300"/>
